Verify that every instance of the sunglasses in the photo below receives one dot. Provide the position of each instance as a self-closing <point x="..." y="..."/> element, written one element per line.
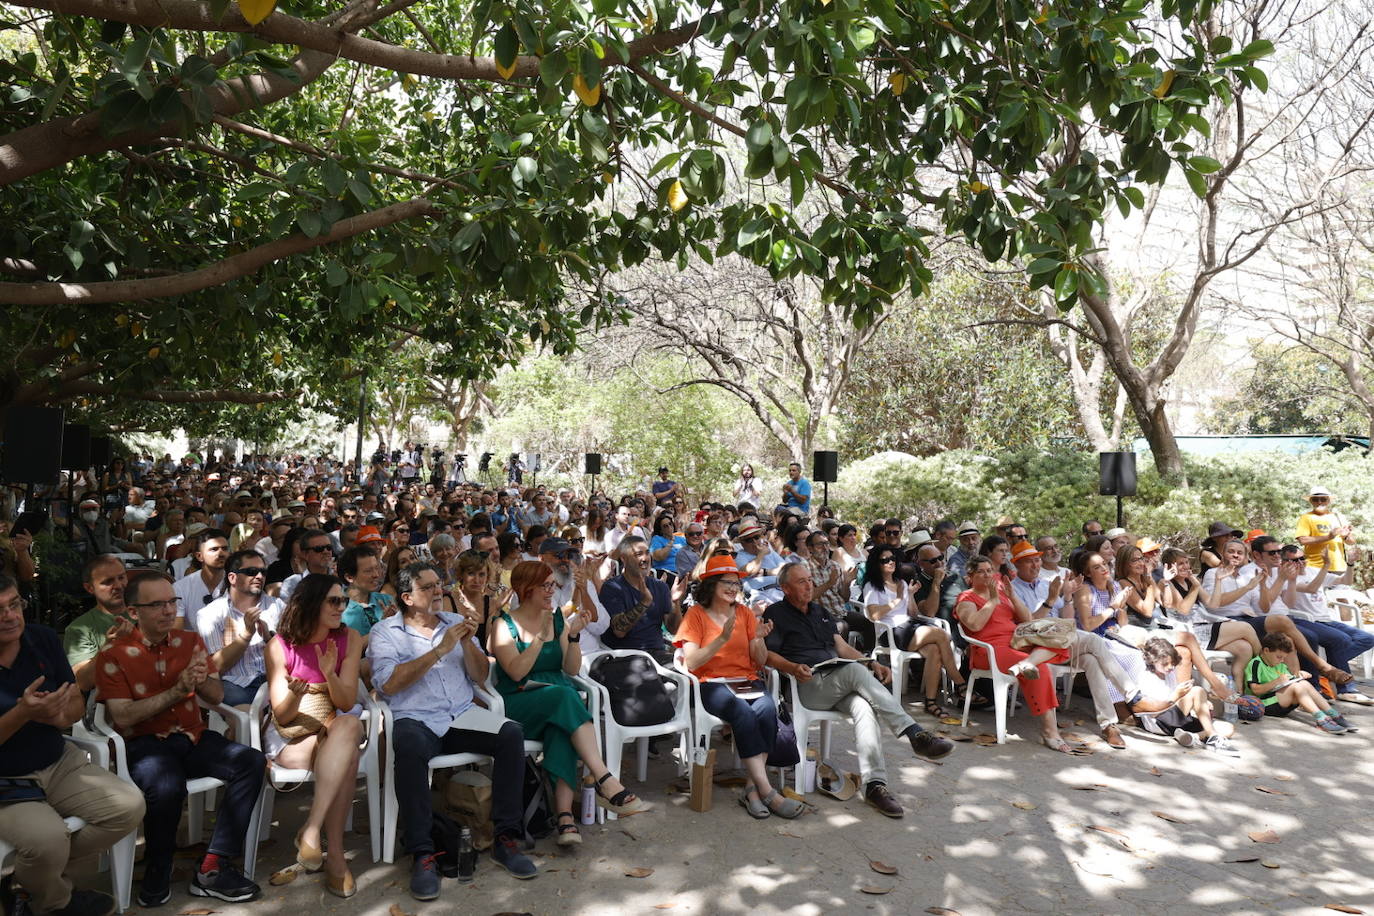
<point x="334" y="601"/>
<point x="251" y="571"/>
<point x="322" y="548"/>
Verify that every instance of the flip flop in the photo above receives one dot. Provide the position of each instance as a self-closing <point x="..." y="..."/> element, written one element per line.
<point x="1337" y="676"/>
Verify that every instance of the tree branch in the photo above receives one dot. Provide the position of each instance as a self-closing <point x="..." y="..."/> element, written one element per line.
<point x="230" y="268"/>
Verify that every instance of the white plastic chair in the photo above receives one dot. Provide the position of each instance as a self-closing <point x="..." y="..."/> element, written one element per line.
<point x="120" y="858"/>
<point x="475" y="718"/>
<point x="368" y="768"/>
<point x="1001" y="685"/>
<point x="802" y="719"/>
<point x="900" y="658"/>
<point x="614" y="735"/>
<point x="98" y="728"/>
<point x="704" y="723"/>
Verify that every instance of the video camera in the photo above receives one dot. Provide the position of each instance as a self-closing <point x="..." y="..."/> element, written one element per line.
<point x="460" y="459"/>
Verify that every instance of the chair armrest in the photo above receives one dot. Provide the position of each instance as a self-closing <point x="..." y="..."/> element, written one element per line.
<point x="242" y="726"/>
<point x="992" y="652"/>
<point x="97" y="748"/>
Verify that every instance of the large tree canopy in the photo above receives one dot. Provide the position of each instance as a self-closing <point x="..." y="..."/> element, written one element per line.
<point x="211" y="201"/>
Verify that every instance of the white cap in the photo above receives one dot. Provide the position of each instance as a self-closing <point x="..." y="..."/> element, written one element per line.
<point x="1319" y="491"/>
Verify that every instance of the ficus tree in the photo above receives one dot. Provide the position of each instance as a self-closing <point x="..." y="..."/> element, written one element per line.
<point x="192" y="186"/>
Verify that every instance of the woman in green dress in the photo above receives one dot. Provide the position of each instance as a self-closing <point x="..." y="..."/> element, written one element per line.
<point x="536" y="648"/>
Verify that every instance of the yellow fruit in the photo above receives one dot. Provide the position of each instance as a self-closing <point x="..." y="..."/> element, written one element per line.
<point x="276" y="358"/>
<point x="589" y="95"/>
<point x="121" y="320"/>
<point x="898" y="82"/>
<point x="1165" y="83"/>
<point x="677" y="198"/>
<point x="255" y="11"/>
<point x="153" y="352"/>
<point x="608" y="178"/>
<point x="67" y="339"/>
<point x="505" y="72"/>
<point x="237" y="221"/>
<point x="136" y="329"/>
<point x="650" y="18"/>
<point x="977" y="187"/>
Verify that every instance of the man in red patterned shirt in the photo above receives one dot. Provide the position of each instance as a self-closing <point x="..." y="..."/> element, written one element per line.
<point x="149" y="681"/>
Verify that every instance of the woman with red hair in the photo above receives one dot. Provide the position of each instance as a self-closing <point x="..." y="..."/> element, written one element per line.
<point x="536" y="648"/>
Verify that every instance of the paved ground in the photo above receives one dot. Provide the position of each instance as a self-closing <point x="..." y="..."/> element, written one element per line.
<point x="994" y="829"/>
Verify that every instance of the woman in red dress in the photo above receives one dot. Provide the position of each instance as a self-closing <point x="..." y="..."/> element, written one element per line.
<point x="989" y="611"/>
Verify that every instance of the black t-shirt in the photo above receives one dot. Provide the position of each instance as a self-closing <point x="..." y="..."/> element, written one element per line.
<point x="279" y="571"/>
<point x="36" y="745"/>
<point x="805" y="638"/>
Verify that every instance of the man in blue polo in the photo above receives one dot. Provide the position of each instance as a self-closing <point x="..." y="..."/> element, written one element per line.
<point x="796" y="492"/>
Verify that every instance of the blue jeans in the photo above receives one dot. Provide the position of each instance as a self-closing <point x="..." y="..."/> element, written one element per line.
<point x="234" y="695"/>
<point x="161" y="767"/>
<point x="1341" y="642"/>
<point x="754" y="722"/>
<point x="415" y="745"/>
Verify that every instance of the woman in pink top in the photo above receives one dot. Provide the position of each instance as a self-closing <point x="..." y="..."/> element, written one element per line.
<point x="312" y="680"/>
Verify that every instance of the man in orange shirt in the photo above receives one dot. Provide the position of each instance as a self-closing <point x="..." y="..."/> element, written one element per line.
<point x="149" y="680"/>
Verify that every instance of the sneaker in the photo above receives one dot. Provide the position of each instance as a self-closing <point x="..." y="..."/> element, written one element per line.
<point x="929" y="746"/>
<point x="224" y="883"/>
<point x="156" y="888"/>
<point x="1184" y="737"/>
<point x="506" y="853"/>
<point x="424" y="877"/>
<point x="1331" y="724"/>
<point x="87" y="903"/>
<point x="1220" y="745"/>
<point x="1341" y="721"/>
<point x="879" y="796"/>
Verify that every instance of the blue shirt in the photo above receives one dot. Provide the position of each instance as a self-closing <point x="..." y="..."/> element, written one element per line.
<point x="668" y="563"/>
<point x="772" y="560"/>
<point x="802" y="498"/>
<point x="363" y="617"/>
<point x="618" y="596"/>
<point x="35" y="745"/>
<point x="442" y="694"/>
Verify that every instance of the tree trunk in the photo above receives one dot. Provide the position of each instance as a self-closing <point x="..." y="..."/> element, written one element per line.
<point x="1154" y="423"/>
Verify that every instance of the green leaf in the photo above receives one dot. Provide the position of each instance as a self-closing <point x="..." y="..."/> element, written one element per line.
<point x="525" y="170"/>
<point x="335" y="275"/>
<point x="311" y="223"/>
<point x="506" y="46"/>
<point x="1042" y="266"/>
<point x="135" y="56"/>
<point x="1204" y="164"/>
<point x="1257" y="49"/>
<point x="198" y="71"/>
<point x="467" y="237"/>
<point x="1066" y="284"/>
<point x="1196" y="182"/>
<point x="759" y="136"/>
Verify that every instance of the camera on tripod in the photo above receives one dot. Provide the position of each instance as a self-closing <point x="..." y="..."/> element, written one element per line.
<point x="460" y="459"/>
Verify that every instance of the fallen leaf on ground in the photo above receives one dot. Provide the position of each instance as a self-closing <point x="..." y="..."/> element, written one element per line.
<point x="1111" y="830"/>
<point x="285" y="876"/>
<point x="1092" y="788"/>
<point x="985" y="740"/>
<point x="1342" y="908"/>
<point x="1166" y="816"/>
<point x="951" y="720"/>
<point x="964" y="738"/>
<point x="201" y="911"/>
<point x="397" y="911"/>
<point x="795" y="836"/>
<point x="664" y="906"/>
<point x="1106" y="872"/>
<point x="882" y="868"/>
<point x="629" y="834"/>
<point x="1268" y="864"/>
<point x="1268" y="791"/>
<point x="679" y="787"/>
<point x="941" y="911"/>
<point x="639" y="871"/>
<point x="1263" y="836"/>
<point x="1025" y="805"/>
<point x="1154" y="771"/>
<point x="1286" y="778"/>
<point x="1244" y="859"/>
<point x="730" y="782"/>
<point x="871" y="889"/>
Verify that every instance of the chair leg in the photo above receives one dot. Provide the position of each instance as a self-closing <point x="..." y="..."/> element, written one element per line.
<point x="195" y="818"/>
<point x="374" y="809"/>
<point x="999" y="697"/>
<point x="389" y="816"/>
<point x="615" y="749"/>
<point x="262" y="811"/>
<point x="642" y="759"/>
<point x="122" y="869"/>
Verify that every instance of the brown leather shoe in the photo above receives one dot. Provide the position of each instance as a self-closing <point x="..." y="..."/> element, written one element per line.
<point x="1112" y="736"/>
<point x="878" y="796"/>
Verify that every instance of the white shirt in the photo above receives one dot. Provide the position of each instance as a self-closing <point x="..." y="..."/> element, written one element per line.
<point x="192" y="595"/>
<point x="1246" y="605"/>
<point x="267" y="550"/>
<point x="591" y="634"/>
<point x="898" y="615"/>
<point x="1313" y="605"/>
<point x="210" y="625"/>
<point x="289" y="585"/>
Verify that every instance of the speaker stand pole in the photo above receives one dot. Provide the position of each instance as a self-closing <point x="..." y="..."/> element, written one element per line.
<point x="825" y="493"/>
<point x="1120" y="517"/>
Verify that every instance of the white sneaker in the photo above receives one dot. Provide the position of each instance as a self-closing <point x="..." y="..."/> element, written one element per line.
<point x="1221" y="745"/>
<point x="1185" y="738"/>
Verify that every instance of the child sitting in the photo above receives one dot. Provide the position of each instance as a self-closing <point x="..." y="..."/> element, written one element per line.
<point x="1268" y="678"/>
<point x="1179" y="710"/>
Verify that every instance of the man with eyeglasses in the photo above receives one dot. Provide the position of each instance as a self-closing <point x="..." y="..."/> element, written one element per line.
<point x="689" y="555"/>
<point x="574" y="591"/>
<point x="149" y="681"/>
<point x="104" y="578"/>
<point x="1323" y="533"/>
<point x="1050" y="555"/>
<point x="39" y="698"/>
<point x="318" y="553"/>
<point x="237" y="625"/>
<point x="758" y="563"/>
<point x="199" y="587"/>
<point x="935" y="590"/>
<point x="1304" y="592"/>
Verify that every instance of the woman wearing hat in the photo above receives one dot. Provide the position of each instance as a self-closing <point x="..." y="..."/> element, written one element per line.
<point x="722" y="644"/>
<point x="1219" y="534"/>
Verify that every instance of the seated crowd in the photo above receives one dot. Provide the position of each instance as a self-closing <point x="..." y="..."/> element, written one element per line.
<point x="471" y="611"/>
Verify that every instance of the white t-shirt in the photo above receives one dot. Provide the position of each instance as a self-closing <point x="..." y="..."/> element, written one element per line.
<point x="898" y="615"/>
<point x="1246" y="605"/>
<point x="192" y="595"/>
<point x="1313" y="604"/>
<point x="210" y="624"/>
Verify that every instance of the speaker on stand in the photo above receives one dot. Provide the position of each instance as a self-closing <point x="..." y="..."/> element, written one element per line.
<point x="592" y="466"/>
<point x="825" y="469"/>
<point x="1116" y="477"/>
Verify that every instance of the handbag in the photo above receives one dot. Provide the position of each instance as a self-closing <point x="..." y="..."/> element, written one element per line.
<point x="1047" y="632"/>
<point x="639" y="696"/>
<point x="784" y="752"/>
<point x="314" y="712"/>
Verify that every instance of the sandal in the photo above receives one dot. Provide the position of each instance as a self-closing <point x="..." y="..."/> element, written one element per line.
<point x="568" y="834"/>
<point x="623" y="803"/>
<point x="786" y="807"/>
<point x="1337" y="676"/>
<point x="933" y="708"/>
<point x="1060" y="745"/>
<point x="749" y="801"/>
<point x="1023" y="669"/>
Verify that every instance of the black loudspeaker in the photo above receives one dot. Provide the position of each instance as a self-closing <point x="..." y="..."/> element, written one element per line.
<point x="1116" y="473"/>
<point x="76" y="447"/>
<point x="825" y="467"/>
<point x="593" y="462"/>
<point x="100" y="451"/>
<point x="33" y="445"/>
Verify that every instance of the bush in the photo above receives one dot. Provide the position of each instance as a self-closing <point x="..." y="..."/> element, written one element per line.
<point x="1055" y="492"/>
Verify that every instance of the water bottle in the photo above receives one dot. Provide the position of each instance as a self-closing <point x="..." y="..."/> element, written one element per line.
<point x="1228" y="708"/>
<point x="588" y="804"/>
<point x="467" y="857"/>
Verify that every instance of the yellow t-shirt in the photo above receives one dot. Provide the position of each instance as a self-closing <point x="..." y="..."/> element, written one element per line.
<point x="1310" y="524"/>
